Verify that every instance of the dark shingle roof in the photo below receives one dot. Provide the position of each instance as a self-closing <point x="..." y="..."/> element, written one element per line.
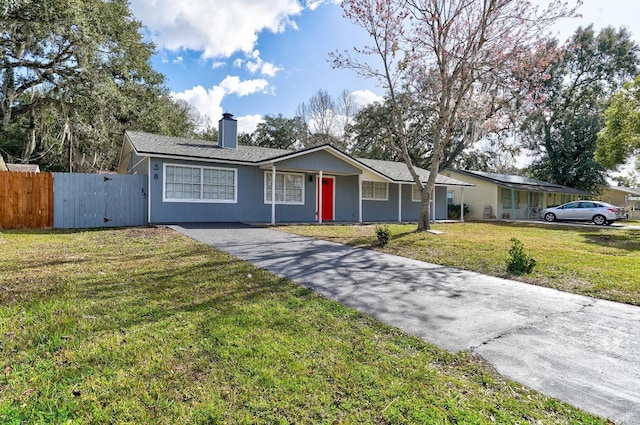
<point x="157" y="145"/>
<point x="522" y="183"/>
<point x="398" y="171"/>
<point x="154" y="144"/>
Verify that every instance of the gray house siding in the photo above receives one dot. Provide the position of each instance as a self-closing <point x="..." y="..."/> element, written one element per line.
<point x="250" y="206"/>
<point x="346" y="206"/>
<point x="382" y="210"/>
<point x="324" y="161"/>
<point x="441" y="203"/>
<point x="295" y="213"/>
<point x="410" y="209"/>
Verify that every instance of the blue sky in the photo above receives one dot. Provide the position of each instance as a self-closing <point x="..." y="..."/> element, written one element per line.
<point x="258" y="57"/>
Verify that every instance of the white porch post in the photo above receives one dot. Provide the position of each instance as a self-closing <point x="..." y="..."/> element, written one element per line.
<point x="400" y="202"/>
<point x="359" y="198"/>
<point x="433" y="203"/>
<point x="462" y="204"/>
<point x="273" y="194"/>
<point x="320" y="198"/>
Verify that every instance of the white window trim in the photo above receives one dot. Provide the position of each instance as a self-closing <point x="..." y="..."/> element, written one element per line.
<point x="386" y="185"/>
<point x="201" y="200"/>
<point x="267" y="188"/>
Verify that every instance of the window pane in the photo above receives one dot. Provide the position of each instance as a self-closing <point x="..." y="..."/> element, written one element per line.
<point x="219" y="185"/>
<point x="380" y="190"/>
<point x="367" y="189"/>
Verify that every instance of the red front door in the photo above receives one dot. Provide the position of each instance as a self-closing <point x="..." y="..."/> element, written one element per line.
<point x="327" y="199"/>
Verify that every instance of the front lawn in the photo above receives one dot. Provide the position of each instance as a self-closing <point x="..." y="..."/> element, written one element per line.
<point x="145" y="326"/>
<point x="599" y="262"/>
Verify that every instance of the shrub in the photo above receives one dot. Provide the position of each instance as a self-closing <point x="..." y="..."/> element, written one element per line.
<point x="453" y="211"/>
<point x="382" y="232"/>
<point x="519" y="262"/>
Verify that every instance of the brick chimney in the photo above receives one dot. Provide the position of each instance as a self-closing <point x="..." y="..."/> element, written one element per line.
<point x="228" y="131"/>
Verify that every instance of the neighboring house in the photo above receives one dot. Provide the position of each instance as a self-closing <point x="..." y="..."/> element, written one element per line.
<point x="623" y="197"/>
<point x="506" y="196"/>
<point x="200" y="181"/>
<point x="24" y="168"/>
<point x="618" y="195"/>
<point x="3" y="166"/>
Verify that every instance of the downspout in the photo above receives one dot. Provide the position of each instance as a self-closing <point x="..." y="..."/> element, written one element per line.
<point x="149" y="190"/>
<point x="320" y="198"/>
<point x="359" y="198"/>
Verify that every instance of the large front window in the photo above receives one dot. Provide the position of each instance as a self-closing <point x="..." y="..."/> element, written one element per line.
<point x="289" y="188"/>
<point x="199" y="184"/>
<point x="506" y="199"/>
<point x="377" y="191"/>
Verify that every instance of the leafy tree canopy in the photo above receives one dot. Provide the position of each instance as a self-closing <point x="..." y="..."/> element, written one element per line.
<point x="562" y="128"/>
<point x="74" y="75"/>
<point x="620" y="138"/>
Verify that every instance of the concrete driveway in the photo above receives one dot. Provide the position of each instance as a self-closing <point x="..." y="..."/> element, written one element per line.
<point x="578" y="349"/>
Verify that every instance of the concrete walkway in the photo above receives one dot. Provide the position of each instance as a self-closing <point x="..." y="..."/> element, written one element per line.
<point x="578" y="349"/>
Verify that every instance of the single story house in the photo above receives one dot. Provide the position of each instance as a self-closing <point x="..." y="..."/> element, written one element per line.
<point x="506" y="196"/>
<point x="624" y="197"/>
<point x="619" y="195"/>
<point x="201" y="181"/>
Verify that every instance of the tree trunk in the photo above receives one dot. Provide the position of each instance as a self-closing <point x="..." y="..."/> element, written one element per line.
<point x="424" y="217"/>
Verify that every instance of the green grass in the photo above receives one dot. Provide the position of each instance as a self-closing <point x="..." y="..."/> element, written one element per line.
<point x="599" y="262"/>
<point x="145" y="326"/>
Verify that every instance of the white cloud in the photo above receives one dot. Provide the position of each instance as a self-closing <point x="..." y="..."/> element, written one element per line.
<point x="254" y="64"/>
<point x="313" y="4"/>
<point x="233" y="85"/>
<point x="214" y="27"/>
<point x="365" y="97"/>
<point x="219" y="64"/>
<point x="269" y="69"/>
<point x="208" y="102"/>
<point x="248" y="123"/>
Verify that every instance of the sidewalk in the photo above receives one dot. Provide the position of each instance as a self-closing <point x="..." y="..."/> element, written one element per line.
<point x="581" y="350"/>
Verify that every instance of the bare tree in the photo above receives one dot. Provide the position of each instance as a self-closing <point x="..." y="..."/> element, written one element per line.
<point x="459" y="57"/>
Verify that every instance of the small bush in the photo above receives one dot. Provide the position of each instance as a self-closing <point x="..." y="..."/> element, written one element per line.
<point x="453" y="211"/>
<point x="519" y="262"/>
<point x="382" y="232"/>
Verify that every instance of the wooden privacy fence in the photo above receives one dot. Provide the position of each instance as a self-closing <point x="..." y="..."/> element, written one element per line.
<point x="71" y="201"/>
<point x="26" y="200"/>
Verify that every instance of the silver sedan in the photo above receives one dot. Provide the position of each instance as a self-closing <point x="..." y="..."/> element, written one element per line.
<point x="600" y="213"/>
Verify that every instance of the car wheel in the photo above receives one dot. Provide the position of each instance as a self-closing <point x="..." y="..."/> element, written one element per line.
<point x="600" y="220"/>
<point x="549" y="217"/>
